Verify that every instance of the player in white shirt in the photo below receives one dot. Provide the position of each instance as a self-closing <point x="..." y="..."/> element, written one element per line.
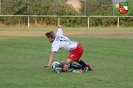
<point x="59" y="41"/>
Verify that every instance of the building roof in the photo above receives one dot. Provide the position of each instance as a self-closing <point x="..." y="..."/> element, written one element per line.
<point x="75" y="4"/>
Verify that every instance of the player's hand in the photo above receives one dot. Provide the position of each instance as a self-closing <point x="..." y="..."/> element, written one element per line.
<point x="57" y="71"/>
<point x="59" y="26"/>
<point x="80" y="71"/>
<point x="45" y="66"/>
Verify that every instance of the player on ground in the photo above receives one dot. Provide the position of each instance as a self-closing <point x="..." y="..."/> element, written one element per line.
<point x="66" y="67"/>
<point x="59" y="41"/>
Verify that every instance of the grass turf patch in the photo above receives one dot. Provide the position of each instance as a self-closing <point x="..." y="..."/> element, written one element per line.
<point x="22" y="59"/>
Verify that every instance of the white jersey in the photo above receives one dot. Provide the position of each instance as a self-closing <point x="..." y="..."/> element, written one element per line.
<point x="63" y="42"/>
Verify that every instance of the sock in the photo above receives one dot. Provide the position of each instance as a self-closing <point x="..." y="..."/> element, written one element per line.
<point x="82" y="63"/>
<point x="88" y="65"/>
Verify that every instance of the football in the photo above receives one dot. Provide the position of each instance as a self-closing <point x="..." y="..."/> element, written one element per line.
<point x="55" y="63"/>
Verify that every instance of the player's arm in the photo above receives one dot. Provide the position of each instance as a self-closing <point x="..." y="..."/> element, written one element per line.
<point x="57" y="71"/>
<point x="50" y="58"/>
<point x="60" y="30"/>
<point x="59" y="26"/>
<point x="75" y="70"/>
<point x="78" y="71"/>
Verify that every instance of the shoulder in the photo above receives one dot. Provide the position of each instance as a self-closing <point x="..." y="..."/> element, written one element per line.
<point x="55" y="42"/>
<point x="57" y="67"/>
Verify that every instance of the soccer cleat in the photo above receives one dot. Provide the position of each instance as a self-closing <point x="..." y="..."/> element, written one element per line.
<point x="85" y="69"/>
<point x="88" y="65"/>
<point x="90" y="69"/>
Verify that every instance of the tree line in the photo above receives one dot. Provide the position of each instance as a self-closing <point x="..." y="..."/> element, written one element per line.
<point x="59" y="7"/>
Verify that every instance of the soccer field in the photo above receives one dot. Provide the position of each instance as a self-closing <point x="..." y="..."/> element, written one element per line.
<point x="73" y="32"/>
<point x="24" y="52"/>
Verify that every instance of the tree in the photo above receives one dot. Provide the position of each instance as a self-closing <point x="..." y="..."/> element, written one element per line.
<point x="35" y="7"/>
<point x="97" y="7"/>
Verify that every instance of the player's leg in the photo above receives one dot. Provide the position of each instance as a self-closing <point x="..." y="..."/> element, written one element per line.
<point x="68" y="60"/>
<point x="89" y="68"/>
<point x="75" y="56"/>
<point x="78" y="53"/>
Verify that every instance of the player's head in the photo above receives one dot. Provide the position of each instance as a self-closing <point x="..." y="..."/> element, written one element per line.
<point x="65" y="66"/>
<point x="50" y="35"/>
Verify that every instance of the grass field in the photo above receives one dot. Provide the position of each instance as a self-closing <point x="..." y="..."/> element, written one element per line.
<point x="24" y="52"/>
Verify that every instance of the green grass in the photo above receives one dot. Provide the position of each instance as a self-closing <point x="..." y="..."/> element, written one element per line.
<point x="98" y="29"/>
<point x="22" y="59"/>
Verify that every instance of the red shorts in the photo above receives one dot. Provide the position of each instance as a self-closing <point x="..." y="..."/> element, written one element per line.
<point x="76" y="53"/>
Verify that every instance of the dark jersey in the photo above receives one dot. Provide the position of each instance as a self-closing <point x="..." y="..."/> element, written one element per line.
<point x="72" y="67"/>
<point x="76" y="66"/>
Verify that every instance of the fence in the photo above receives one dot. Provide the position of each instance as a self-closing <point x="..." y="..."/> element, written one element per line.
<point x="52" y="7"/>
<point x="60" y="9"/>
<point x="59" y="17"/>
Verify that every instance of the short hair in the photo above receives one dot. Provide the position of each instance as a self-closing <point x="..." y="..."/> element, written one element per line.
<point x="63" y="63"/>
<point x="50" y="34"/>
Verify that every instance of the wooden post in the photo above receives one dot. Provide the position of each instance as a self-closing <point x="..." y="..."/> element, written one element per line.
<point x="88" y="22"/>
<point x="118" y="22"/>
<point x="28" y="22"/>
<point x="58" y="19"/>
